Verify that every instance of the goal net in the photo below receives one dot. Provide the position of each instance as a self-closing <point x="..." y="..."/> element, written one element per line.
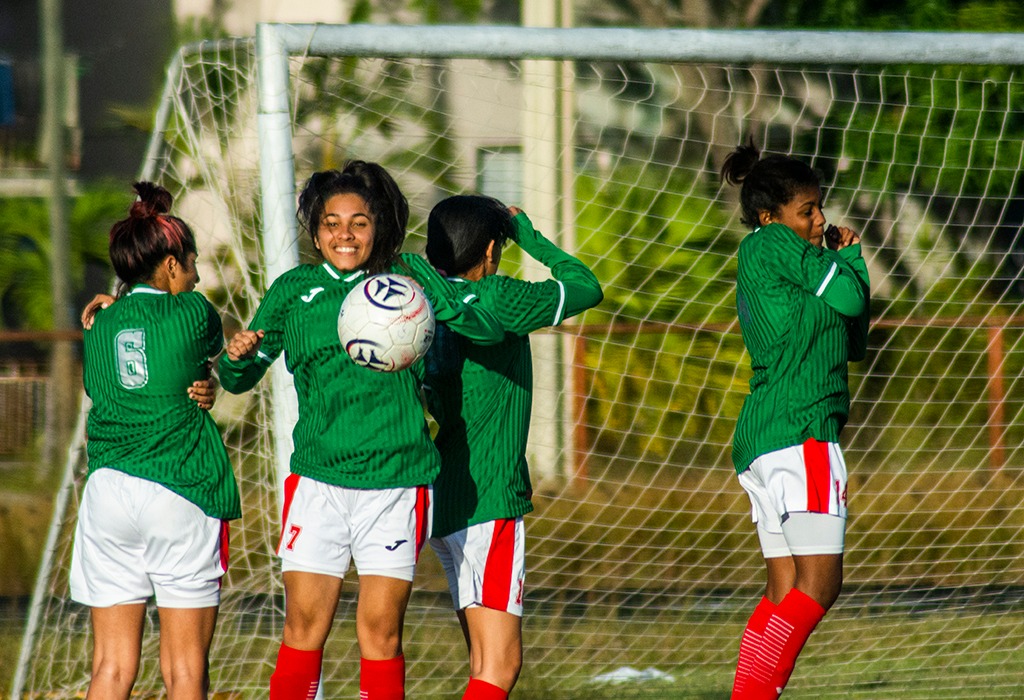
<point x="642" y="561"/>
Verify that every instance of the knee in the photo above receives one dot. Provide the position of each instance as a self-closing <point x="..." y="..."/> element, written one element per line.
<point x="498" y="667"/>
<point x="824" y="591"/>
<point x="185" y="678"/>
<point x="302" y="631"/>
<point x="380" y="638"/>
<point x="113" y="673"/>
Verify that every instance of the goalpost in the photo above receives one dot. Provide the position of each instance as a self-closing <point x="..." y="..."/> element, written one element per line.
<point x="642" y="562"/>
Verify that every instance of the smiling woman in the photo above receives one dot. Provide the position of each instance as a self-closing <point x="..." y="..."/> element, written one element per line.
<point x="345" y="234"/>
<point x="363" y="465"/>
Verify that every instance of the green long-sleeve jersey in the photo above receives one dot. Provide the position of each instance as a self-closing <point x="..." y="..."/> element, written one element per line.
<point x="481" y="396"/>
<point x="803" y="312"/>
<point x="356" y="428"/>
<point x="140" y="357"/>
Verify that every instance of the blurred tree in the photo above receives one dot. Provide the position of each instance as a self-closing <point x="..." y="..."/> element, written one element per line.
<point x="25" y="276"/>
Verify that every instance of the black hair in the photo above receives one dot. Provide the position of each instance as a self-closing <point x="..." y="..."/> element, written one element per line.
<point x="460" y="228"/>
<point x="147" y="236"/>
<point x="766" y="183"/>
<point x="388" y="207"/>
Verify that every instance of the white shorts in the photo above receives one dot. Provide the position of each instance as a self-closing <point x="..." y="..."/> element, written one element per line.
<point x="798" y="499"/>
<point x="485" y="565"/>
<point x="135" y="539"/>
<point x="327" y="527"/>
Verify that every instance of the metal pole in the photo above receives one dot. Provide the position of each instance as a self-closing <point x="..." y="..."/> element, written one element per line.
<point x="61" y="395"/>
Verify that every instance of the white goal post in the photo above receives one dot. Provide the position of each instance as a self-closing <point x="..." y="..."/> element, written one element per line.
<point x="642" y="562"/>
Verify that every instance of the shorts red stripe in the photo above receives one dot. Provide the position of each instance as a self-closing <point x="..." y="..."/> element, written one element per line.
<point x="819" y="476"/>
<point x="225" y="540"/>
<point x="498" y="569"/>
<point x="291" y="483"/>
<point x="422" y="509"/>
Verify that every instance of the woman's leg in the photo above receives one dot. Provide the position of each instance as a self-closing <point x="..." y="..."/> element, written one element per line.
<point x="185" y="636"/>
<point x="380" y="615"/>
<point x="116" y="648"/>
<point x="816" y="583"/>
<point x="495" y="652"/>
<point x="310" y="603"/>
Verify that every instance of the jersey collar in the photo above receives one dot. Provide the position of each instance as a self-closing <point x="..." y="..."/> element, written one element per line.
<point x="144" y="289"/>
<point x="346" y="277"/>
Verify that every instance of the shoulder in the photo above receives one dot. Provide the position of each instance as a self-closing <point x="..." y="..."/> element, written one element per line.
<point x="299" y="273"/>
<point x="299" y="277"/>
<point x="503" y="285"/>
<point x="772" y="234"/>
<point x="190" y="300"/>
<point x="411" y="264"/>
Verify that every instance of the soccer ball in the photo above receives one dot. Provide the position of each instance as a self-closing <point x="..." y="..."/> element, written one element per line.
<point x="386" y="323"/>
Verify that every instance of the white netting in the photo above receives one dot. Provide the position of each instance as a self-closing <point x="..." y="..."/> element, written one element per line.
<point x="640" y="552"/>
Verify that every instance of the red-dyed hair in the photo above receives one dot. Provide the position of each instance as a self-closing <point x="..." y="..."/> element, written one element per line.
<point x="140" y="242"/>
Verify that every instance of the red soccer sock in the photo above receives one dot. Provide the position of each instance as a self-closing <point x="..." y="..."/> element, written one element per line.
<point x="297" y="674"/>
<point x="482" y="690"/>
<point x="383" y="679"/>
<point x="750" y="645"/>
<point x="784" y="637"/>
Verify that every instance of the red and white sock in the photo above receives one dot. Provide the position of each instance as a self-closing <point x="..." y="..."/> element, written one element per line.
<point x="383" y="679"/>
<point x="482" y="690"/>
<point x="784" y="637"/>
<point x="750" y="645"/>
<point x="296" y="675"/>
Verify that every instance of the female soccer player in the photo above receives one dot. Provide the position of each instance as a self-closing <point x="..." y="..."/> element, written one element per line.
<point x="481" y="398"/>
<point x="363" y="463"/>
<point x="803" y="312"/>
<point x="160" y="490"/>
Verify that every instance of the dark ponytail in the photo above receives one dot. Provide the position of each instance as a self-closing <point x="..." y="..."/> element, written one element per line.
<point x="767" y="183"/>
<point x="149" y="234"/>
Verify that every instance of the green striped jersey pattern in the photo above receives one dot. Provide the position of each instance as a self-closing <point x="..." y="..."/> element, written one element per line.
<point x="357" y="428"/>
<point x="787" y="295"/>
<point x="140" y="357"/>
<point x="481" y="396"/>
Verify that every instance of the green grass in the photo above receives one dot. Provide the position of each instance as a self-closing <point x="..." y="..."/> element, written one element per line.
<point x="873" y="658"/>
<point x="11" y="629"/>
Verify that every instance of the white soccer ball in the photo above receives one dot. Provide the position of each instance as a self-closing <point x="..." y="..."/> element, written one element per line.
<point x="386" y="323"/>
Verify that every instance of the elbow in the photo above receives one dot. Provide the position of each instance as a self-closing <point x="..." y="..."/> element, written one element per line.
<point x="853" y="306"/>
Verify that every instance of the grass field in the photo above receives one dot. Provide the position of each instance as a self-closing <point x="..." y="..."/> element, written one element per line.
<point x="934" y="606"/>
<point x="882" y="659"/>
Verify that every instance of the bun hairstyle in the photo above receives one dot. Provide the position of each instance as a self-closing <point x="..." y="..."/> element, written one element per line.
<point x="767" y="183"/>
<point x="139" y="243"/>
<point x="388" y="207"/>
<point x="460" y="228"/>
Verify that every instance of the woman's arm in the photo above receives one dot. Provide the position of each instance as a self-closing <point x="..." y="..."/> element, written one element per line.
<point x="462" y="315"/>
<point x="580" y="285"/>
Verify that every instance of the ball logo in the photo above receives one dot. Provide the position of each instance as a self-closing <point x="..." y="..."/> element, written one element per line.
<point x="367" y="353"/>
<point x="386" y="323"/>
<point x="389" y="291"/>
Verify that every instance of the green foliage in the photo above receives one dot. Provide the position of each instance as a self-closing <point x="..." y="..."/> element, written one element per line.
<point x="665" y="255"/>
<point x="652" y="240"/>
<point x="897" y="15"/>
<point x="25" y="274"/>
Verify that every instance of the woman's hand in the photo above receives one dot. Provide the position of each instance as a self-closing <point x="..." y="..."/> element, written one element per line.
<point x="843" y="237"/>
<point x="100" y="301"/>
<point x="203" y="392"/>
<point x="244" y="344"/>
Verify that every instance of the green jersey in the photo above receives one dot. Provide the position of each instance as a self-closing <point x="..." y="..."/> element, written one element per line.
<point x="357" y="428"/>
<point x="141" y="356"/>
<point x="803" y="312"/>
<point x="481" y="396"/>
